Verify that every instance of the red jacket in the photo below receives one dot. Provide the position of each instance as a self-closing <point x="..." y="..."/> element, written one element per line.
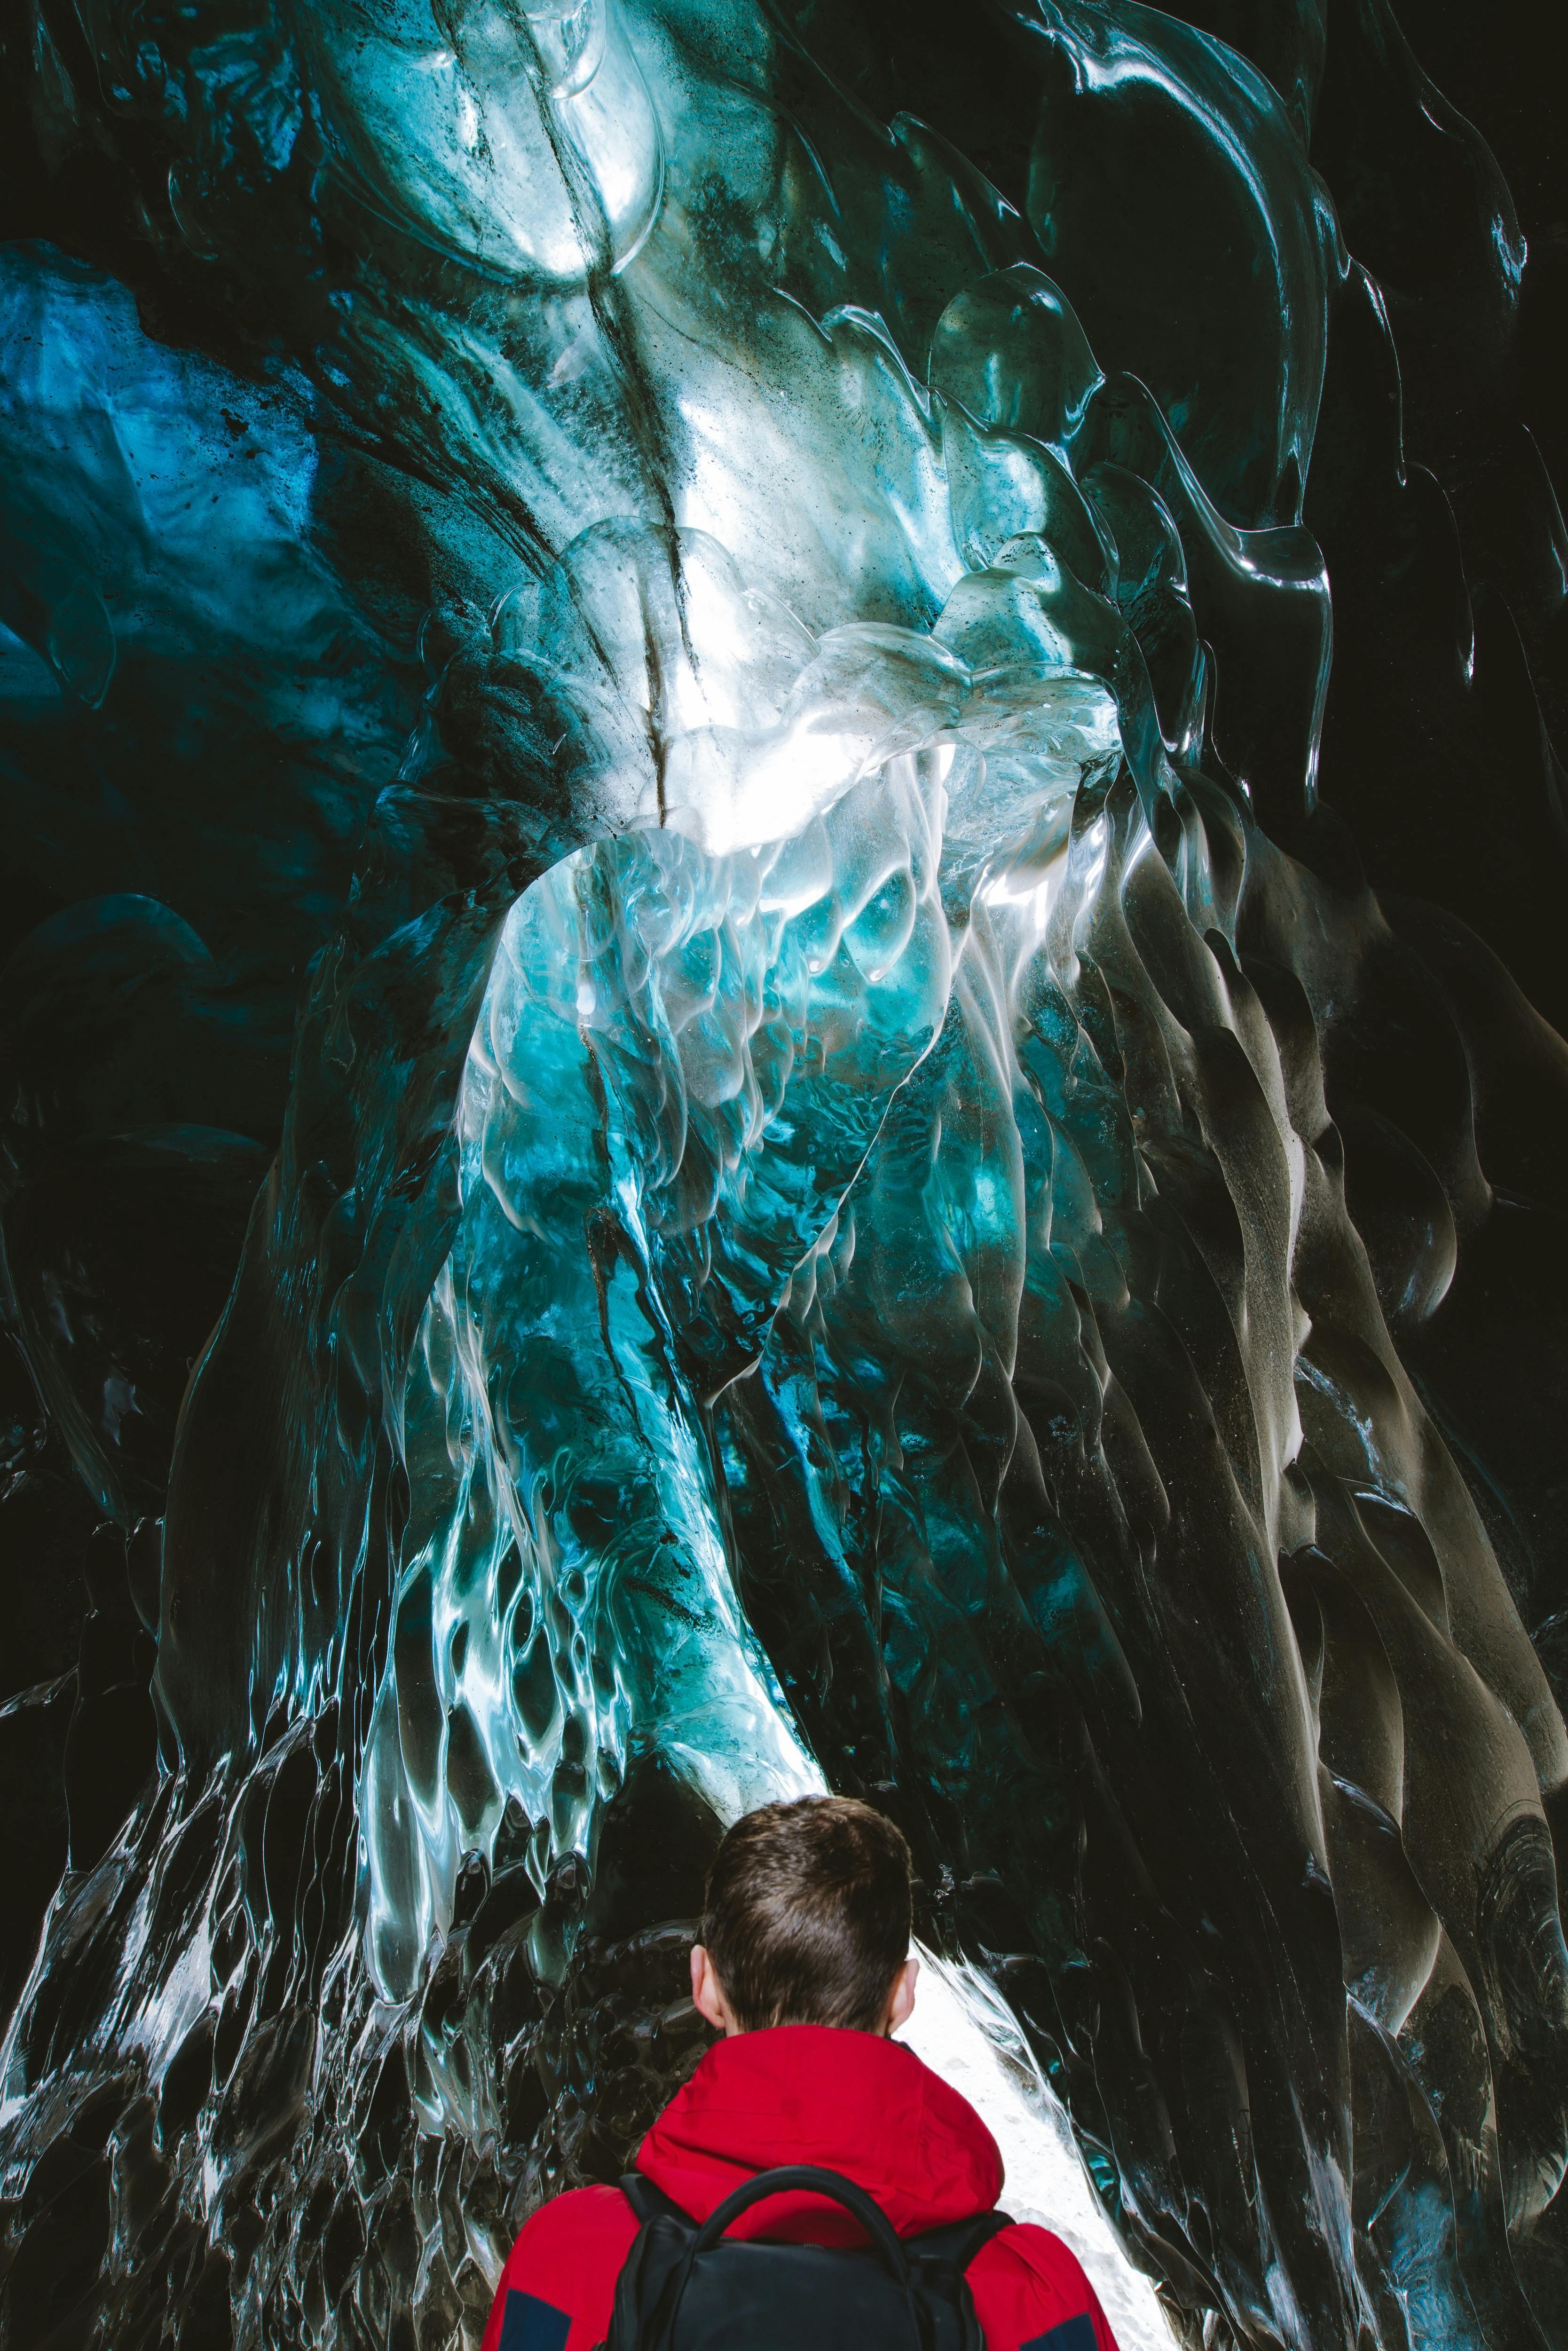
<point x="802" y="2093"/>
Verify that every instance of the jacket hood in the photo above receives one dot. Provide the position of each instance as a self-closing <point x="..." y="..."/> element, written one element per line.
<point x="813" y="2094"/>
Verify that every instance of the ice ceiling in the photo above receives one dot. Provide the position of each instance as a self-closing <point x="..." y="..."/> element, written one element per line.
<point x="698" y="1100"/>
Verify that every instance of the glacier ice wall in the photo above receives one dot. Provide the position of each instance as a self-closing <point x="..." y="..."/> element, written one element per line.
<point x="705" y="1094"/>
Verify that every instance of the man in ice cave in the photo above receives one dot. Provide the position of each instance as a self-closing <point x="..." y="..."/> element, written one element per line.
<point x="804" y="1969"/>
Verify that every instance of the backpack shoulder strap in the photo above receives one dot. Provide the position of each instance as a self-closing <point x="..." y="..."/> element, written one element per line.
<point x="939" y="2257"/>
<point x="665" y="2234"/>
<point x="651" y="2203"/>
<point x="958" y="2241"/>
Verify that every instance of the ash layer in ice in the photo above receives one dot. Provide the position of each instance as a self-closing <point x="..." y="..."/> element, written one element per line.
<point x="698" y="1101"/>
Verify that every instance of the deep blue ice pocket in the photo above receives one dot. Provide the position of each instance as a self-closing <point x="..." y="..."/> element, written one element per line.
<point x="1072" y="2334"/>
<point x="529" y="2324"/>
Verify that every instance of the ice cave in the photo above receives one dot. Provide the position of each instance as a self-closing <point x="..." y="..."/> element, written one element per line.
<point x="781" y="1008"/>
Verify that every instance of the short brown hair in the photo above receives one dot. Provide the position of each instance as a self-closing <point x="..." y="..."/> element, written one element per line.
<point x="808" y="1915"/>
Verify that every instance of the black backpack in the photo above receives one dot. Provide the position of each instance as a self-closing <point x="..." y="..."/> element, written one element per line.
<point x="686" y="2288"/>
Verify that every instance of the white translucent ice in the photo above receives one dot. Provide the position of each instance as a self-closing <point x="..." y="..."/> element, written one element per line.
<point x="964" y="2031"/>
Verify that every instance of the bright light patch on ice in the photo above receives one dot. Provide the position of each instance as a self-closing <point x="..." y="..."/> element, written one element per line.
<point x="963" y="2032"/>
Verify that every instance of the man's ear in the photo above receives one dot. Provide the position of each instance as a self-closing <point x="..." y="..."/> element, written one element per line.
<point x="707" y="1992"/>
<point x="901" y="1999"/>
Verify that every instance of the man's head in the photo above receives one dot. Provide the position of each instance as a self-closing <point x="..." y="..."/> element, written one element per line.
<point x="808" y="1921"/>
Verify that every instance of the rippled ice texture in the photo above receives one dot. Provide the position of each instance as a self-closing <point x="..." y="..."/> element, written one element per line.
<point x="700" y="1105"/>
